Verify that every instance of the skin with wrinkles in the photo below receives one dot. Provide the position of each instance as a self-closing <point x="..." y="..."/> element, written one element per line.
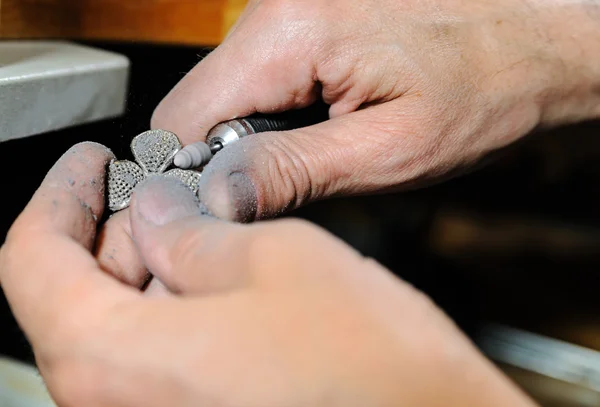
<point x="230" y="171"/>
<point x="166" y="306"/>
<point x="418" y="90"/>
<point x="282" y="312"/>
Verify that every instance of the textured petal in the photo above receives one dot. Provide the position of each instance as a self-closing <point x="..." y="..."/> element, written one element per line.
<point x="190" y="178"/>
<point x="154" y="150"/>
<point x="123" y="176"/>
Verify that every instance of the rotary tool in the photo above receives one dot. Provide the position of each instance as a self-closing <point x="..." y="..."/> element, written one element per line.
<point x="223" y="134"/>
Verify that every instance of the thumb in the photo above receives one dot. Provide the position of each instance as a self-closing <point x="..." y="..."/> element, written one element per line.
<point x="187" y="251"/>
<point x="367" y="151"/>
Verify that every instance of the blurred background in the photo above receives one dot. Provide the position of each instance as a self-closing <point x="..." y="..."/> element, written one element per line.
<point x="510" y="252"/>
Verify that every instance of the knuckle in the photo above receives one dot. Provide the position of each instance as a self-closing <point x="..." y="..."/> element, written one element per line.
<point x="317" y="166"/>
<point x="291" y="167"/>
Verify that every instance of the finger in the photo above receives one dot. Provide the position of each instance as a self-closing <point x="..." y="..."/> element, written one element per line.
<point x="186" y="250"/>
<point x="363" y="152"/>
<point x="46" y="269"/>
<point x="252" y="71"/>
<point x="117" y="253"/>
<point x="75" y="182"/>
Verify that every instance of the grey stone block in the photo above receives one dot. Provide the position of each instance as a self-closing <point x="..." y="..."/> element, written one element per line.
<point x="50" y="85"/>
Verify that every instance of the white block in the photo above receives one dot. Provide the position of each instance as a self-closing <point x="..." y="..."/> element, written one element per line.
<point x="50" y="85"/>
<point x="22" y="386"/>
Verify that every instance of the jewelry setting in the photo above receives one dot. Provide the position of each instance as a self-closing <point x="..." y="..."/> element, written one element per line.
<point x="154" y="152"/>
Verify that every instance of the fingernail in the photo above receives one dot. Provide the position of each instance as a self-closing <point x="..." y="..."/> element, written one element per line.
<point x="161" y="200"/>
<point x="242" y="195"/>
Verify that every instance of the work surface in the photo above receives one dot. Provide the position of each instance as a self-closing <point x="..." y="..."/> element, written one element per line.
<point x="47" y="86"/>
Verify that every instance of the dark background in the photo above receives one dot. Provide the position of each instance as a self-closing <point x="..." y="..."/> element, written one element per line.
<point x="527" y="256"/>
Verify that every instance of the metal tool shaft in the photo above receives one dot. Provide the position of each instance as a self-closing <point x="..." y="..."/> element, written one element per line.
<point x="199" y="154"/>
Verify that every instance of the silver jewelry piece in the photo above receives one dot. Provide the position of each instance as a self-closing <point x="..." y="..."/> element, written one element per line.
<point x="153" y="151"/>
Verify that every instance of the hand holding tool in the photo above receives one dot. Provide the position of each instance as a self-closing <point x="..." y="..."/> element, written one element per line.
<point x="223" y="134"/>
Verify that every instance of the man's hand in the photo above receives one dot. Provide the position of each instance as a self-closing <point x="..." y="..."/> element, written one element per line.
<point x="273" y="314"/>
<point x="416" y="88"/>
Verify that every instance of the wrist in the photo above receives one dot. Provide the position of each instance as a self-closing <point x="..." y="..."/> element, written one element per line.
<point x="571" y="31"/>
<point x="543" y="58"/>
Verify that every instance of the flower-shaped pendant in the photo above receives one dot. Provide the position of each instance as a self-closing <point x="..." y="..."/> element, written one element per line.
<point x="153" y="151"/>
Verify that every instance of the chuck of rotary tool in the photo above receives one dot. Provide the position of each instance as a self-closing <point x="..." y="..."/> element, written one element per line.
<point x="199" y="154"/>
<point x="223" y="134"/>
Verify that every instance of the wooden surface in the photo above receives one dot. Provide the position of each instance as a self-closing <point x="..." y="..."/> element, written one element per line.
<point x="190" y="22"/>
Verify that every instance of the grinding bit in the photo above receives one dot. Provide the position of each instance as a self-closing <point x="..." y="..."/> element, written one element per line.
<point x="193" y="156"/>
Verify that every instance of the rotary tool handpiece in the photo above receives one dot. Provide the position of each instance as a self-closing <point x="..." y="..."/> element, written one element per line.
<point x="223" y="134"/>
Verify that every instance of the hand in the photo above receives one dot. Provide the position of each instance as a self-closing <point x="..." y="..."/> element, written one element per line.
<point x="273" y="314"/>
<point x="416" y="90"/>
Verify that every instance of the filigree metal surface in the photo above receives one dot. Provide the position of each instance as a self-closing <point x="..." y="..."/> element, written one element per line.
<point x="153" y="151"/>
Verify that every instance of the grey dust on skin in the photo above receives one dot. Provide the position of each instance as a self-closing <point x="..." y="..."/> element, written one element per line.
<point x="154" y="152"/>
<point x="227" y="184"/>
